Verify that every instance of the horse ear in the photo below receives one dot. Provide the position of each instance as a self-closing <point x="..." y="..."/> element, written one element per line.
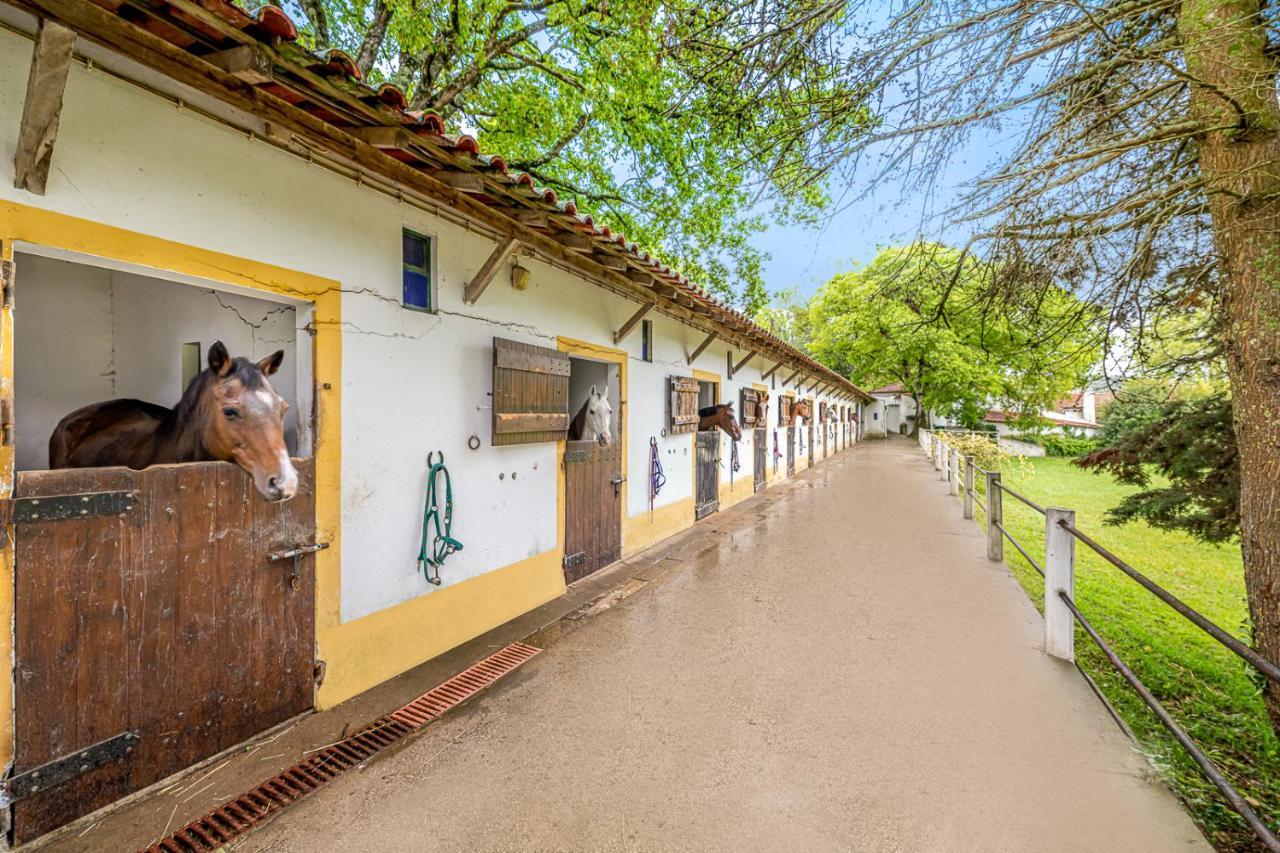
<point x="271" y="363"/>
<point x="593" y="392"/>
<point x="219" y="358"/>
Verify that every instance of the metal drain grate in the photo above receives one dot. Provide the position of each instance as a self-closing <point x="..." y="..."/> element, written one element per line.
<point x="239" y="816"/>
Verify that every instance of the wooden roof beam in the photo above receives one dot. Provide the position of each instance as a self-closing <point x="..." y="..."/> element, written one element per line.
<point x="703" y="346"/>
<point x="770" y="371"/>
<point x="496" y="259"/>
<point x="248" y="63"/>
<point x="46" y="83"/>
<point x="631" y="323"/>
<point x="790" y="378"/>
<point x="735" y="368"/>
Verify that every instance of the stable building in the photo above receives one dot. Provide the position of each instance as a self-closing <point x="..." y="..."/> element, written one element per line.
<point x="179" y="173"/>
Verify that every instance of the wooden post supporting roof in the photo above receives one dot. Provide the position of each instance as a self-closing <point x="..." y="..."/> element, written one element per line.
<point x="46" y="84"/>
<point x="742" y="363"/>
<point x="770" y="371"/>
<point x="703" y="346"/>
<point x="631" y="324"/>
<point x="496" y="259"/>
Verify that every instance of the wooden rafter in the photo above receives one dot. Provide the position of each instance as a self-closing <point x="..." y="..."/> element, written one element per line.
<point x="742" y="363"/>
<point x="631" y="323"/>
<point x="46" y="84"/>
<point x="702" y="347"/>
<point x="496" y="259"/>
<point x="770" y="371"/>
<point x="791" y="379"/>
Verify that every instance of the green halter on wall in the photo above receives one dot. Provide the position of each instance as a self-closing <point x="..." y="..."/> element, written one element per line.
<point x="443" y="544"/>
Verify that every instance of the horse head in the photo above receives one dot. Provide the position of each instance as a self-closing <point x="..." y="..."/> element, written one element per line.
<point x="762" y="409"/>
<point x="239" y="418"/>
<point x="719" y="416"/>
<point x="803" y="410"/>
<point x="598" y="416"/>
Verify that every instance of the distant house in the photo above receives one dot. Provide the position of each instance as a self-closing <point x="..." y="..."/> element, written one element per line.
<point x="1059" y="422"/>
<point x="893" y="410"/>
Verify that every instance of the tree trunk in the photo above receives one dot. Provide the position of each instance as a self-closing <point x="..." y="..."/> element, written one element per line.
<point x="1239" y="151"/>
<point x="915" y="424"/>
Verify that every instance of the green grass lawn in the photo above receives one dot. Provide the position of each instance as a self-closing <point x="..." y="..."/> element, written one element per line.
<point x="1214" y="695"/>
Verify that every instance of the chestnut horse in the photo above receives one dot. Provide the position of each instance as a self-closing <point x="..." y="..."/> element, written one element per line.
<point x="592" y="421"/>
<point x="802" y="409"/>
<point x="720" y="415"/>
<point x="229" y="412"/>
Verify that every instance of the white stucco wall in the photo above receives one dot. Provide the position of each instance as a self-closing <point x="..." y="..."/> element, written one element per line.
<point x="411" y="382"/>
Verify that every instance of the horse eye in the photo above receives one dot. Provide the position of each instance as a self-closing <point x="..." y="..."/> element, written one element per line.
<point x="230" y="414"/>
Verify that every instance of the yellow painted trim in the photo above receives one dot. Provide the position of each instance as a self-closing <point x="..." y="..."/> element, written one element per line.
<point x="21" y="223"/>
<point x="366" y="652"/>
<point x="641" y="531"/>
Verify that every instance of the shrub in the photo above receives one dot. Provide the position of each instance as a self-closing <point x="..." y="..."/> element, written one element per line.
<point x="1060" y="445"/>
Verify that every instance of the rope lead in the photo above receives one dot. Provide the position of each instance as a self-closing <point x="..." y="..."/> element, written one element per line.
<point x="442" y="545"/>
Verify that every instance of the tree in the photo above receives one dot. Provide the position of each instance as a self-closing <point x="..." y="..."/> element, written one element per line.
<point x="787" y="316"/>
<point x="1148" y="176"/>
<point x="1188" y="442"/>
<point x="675" y="122"/>
<point x="917" y="315"/>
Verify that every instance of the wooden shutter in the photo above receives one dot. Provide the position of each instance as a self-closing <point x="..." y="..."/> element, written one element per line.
<point x="822" y="411"/>
<point x="784" y="411"/>
<point x="530" y="393"/>
<point x="747" y="404"/>
<point x="684" y="404"/>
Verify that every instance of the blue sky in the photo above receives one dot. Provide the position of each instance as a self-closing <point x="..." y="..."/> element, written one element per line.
<point x="875" y="214"/>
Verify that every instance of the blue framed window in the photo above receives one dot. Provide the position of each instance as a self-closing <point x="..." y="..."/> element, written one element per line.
<point x="419" y="288"/>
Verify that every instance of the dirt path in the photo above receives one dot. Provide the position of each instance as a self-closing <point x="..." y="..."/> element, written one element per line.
<point x="844" y="672"/>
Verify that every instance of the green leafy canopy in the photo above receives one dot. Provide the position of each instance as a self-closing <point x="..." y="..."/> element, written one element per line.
<point x="922" y="315"/>
<point x="681" y="124"/>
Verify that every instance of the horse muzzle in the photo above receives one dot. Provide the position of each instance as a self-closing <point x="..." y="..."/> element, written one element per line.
<point x="604" y="438"/>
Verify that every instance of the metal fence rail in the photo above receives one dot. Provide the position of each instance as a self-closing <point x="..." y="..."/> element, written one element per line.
<point x="1061" y="613"/>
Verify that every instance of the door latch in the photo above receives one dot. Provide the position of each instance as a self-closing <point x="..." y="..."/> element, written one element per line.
<point x="617" y="484"/>
<point x="295" y="554"/>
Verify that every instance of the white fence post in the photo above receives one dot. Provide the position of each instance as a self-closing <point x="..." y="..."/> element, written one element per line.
<point x="956" y="488"/>
<point x="966" y="488"/>
<point x="939" y="448"/>
<point x="995" y="518"/>
<point x="1059" y="576"/>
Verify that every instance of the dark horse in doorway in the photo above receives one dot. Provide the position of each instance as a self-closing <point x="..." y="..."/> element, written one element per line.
<point x="719" y="416"/>
<point x="229" y="412"/>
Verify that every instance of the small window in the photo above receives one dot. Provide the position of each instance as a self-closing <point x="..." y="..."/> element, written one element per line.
<point x="418" y="286"/>
<point x="190" y="364"/>
<point x="646" y="340"/>
<point x="875" y="416"/>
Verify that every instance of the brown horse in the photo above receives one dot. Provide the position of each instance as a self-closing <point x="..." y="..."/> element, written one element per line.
<point x="762" y="409"/>
<point x="720" y="415"/>
<point x="802" y="409"/>
<point x="229" y="412"/>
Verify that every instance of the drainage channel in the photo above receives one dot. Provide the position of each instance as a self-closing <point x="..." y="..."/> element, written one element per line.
<point x="239" y="816"/>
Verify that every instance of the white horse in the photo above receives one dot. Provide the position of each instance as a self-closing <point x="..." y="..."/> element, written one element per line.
<point x="592" y="421"/>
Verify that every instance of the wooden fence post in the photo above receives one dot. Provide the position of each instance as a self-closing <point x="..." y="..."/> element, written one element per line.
<point x="966" y="488"/>
<point x="995" y="518"/>
<point x="1059" y="576"/>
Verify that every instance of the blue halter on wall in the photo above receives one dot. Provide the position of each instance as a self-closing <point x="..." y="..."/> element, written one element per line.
<point x="657" y="479"/>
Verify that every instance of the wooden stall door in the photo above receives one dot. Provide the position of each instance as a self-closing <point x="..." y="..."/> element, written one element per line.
<point x="826" y="430"/>
<point x="809" y="428"/>
<point x="791" y="451"/>
<point x="760" y="443"/>
<point x="592" y="507"/>
<point x="162" y="618"/>
<point x="707" y="474"/>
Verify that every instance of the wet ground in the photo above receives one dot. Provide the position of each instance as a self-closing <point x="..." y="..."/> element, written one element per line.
<point x="833" y="665"/>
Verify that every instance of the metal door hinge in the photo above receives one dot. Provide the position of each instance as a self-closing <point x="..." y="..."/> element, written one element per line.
<point x="109" y="751"/>
<point x="34" y="510"/>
